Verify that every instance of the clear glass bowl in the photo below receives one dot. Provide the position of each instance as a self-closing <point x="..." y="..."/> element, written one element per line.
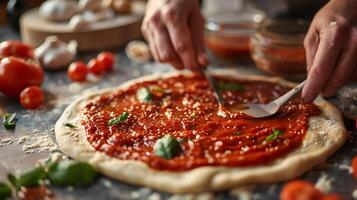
<point x="277" y="48"/>
<point x="227" y="35"/>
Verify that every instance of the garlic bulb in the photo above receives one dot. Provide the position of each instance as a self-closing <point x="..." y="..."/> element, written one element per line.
<point x="58" y="10"/>
<point x="79" y="22"/>
<point x="55" y="54"/>
<point x="92" y="5"/>
<point x="138" y="51"/>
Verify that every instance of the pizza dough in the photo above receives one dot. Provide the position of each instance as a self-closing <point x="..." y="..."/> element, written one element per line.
<point x="325" y="135"/>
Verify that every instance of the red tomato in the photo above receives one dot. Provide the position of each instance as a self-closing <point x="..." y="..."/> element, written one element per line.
<point x="31" y="97"/>
<point x="77" y="71"/>
<point x="354" y="166"/>
<point x="332" y="197"/>
<point x="95" y="67"/>
<point x="17" y="74"/>
<point x="16" y="48"/>
<point x="300" y="190"/>
<point x="107" y="59"/>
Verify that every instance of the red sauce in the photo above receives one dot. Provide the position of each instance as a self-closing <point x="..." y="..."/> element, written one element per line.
<point x="229" y="46"/>
<point x="189" y="111"/>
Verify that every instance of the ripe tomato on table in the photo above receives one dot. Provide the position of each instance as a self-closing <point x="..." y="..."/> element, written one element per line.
<point x="107" y="59"/>
<point x="32" y="97"/>
<point x="16" y="48"/>
<point x="77" y="71"/>
<point x="96" y="67"/>
<point x="17" y="74"/>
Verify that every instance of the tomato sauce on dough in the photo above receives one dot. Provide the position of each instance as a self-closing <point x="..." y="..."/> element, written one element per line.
<point x="184" y="107"/>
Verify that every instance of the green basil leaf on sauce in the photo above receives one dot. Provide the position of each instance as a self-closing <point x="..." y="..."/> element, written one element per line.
<point x="30" y="178"/>
<point x="5" y="191"/>
<point x="69" y="125"/>
<point x="236" y="133"/>
<point x="71" y="173"/>
<point x="231" y="86"/>
<point x="144" y="95"/>
<point x="9" y="121"/>
<point x="122" y="118"/>
<point x="274" y="135"/>
<point x="167" y="147"/>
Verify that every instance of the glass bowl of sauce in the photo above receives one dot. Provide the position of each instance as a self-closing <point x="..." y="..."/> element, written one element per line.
<point x="227" y="35"/>
<point x="277" y="48"/>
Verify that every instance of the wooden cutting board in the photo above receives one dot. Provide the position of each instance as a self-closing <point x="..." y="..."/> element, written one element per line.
<point x="102" y="35"/>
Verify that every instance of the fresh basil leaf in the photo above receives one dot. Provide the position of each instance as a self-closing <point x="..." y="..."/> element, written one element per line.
<point x="155" y="88"/>
<point x="69" y="125"/>
<point x="231" y="86"/>
<point x="30" y="178"/>
<point x="5" y="191"/>
<point x="144" y="95"/>
<point x="71" y="173"/>
<point x="274" y="135"/>
<point x="236" y="133"/>
<point x="167" y="147"/>
<point x="122" y="118"/>
<point x="9" y="121"/>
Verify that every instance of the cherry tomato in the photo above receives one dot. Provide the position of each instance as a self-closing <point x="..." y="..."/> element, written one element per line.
<point x="17" y="74"/>
<point x="16" y="48"/>
<point x="31" y="97"/>
<point x="354" y="166"/>
<point x="107" y="59"/>
<point x="95" y="67"/>
<point x="300" y="190"/>
<point x="332" y="197"/>
<point x="77" y="71"/>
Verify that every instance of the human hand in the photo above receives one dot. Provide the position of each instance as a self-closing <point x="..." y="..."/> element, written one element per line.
<point x="174" y="30"/>
<point x="331" y="49"/>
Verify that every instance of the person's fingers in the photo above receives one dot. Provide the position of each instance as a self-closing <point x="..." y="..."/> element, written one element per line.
<point x="180" y="37"/>
<point x="196" y="24"/>
<point x="165" y="50"/>
<point x="311" y="42"/>
<point x="343" y="70"/>
<point x="323" y="64"/>
<point x="151" y="41"/>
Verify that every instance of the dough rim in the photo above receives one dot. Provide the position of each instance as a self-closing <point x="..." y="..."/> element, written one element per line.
<point x="209" y="178"/>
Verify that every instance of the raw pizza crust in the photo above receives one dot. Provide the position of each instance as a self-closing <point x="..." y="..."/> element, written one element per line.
<point x="325" y="135"/>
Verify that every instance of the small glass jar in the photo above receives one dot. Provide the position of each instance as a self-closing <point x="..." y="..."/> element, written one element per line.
<point x="277" y="48"/>
<point x="227" y="35"/>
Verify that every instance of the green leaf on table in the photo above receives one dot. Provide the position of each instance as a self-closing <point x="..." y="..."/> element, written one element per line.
<point x="71" y="173"/>
<point x="144" y="95"/>
<point x="9" y="120"/>
<point x="167" y="147"/>
<point x="117" y="120"/>
<point x="274" y="135"/>
<point x="69" y="125"/>
<point x="231" y="86"/>
<point x="29" y="178"/>
<point x="5" y="191"/>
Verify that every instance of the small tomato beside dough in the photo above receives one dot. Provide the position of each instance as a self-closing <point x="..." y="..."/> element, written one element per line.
<point x="17" y="74"/>
<point x="300" y="190"/>
<point x="32" y="97"/>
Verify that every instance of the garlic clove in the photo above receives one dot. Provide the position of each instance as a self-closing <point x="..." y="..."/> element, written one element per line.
<point x="58" y="10"/>
<point x="55" y="54"/>
<point x="138" y="51"/>
<point x="78" y="22"/>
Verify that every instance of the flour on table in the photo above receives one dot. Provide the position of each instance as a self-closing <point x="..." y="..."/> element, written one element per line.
<point x="324" y="183"/>
<point x="39" y="142"/>
<point x="354" y="194"/>
<point x="199" y="196"/>
<point x="243" y="193"/>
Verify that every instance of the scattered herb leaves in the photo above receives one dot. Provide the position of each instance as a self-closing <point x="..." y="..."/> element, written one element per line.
<point x="236" y="133"/>
<point x="274" y="135"/>
<point x="71" y="173"/>
<point x="167" y="147"/>
<point x="69" y="125"/>
<point x="122" y="118"/>
<point x="231" y="86"/>
<point x="30" y="178"/>
<point x="144" y="95"/>
<point x="9" y="121"/>
<point x="5" y="191"/>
